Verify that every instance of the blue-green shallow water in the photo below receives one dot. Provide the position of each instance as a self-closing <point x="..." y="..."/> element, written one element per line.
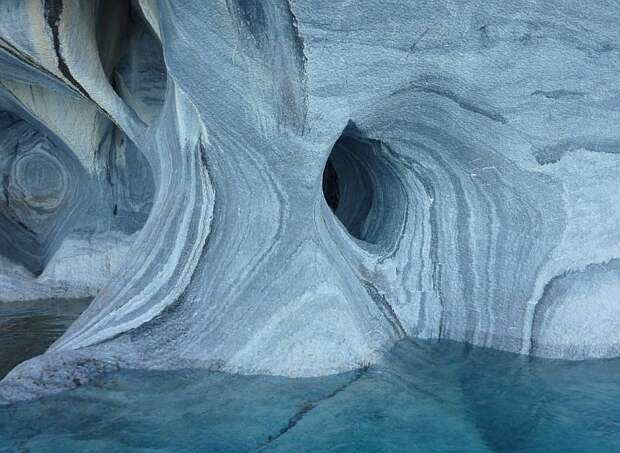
<point x="425" y="396"/>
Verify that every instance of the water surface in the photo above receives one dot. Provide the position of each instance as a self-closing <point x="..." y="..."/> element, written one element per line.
<point x="425" y="396"/>
<point x="27" y="329"/>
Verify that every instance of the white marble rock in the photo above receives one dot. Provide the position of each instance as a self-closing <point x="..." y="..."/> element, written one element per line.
<point x="468" y="150"/>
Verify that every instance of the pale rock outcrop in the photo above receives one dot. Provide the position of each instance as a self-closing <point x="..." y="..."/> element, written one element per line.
<point x="321" y="178"/>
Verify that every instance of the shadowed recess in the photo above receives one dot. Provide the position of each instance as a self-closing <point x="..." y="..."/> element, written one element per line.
<point x="362" y="188"/>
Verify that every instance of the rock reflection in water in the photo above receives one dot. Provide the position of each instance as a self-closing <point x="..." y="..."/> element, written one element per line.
<point x="28" y="328"/>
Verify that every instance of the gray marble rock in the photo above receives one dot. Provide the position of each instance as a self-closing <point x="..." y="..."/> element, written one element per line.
<point x="307" y="182"/>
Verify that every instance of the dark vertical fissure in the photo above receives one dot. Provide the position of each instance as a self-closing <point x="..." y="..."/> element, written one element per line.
<point x="53" y="10"/>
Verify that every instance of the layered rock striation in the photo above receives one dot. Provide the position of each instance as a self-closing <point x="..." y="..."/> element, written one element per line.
<point x="300" y="184"/>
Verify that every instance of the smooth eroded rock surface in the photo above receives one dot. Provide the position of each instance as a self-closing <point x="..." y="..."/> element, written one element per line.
<point x="290" y="187"/>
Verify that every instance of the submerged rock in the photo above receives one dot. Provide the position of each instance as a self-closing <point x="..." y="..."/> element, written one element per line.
<point x="321" y="179"/>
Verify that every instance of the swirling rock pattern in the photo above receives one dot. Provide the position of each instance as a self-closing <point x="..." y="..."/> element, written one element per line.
<point x="323" y="178"/>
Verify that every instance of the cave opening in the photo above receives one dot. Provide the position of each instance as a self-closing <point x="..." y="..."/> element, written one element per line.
<point x="37" y="197"/>
<point x="132" y="57"/>
<point x="362" y="187"/>
<point x="49" y="201"/>
<point x="349" y="185"/>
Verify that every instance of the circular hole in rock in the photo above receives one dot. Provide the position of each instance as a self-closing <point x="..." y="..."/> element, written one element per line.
<point x="363" y="188"/>
<point x="348" y="185"/>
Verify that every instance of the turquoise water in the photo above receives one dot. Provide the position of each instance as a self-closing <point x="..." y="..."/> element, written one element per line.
<point x="425" y="396"/>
